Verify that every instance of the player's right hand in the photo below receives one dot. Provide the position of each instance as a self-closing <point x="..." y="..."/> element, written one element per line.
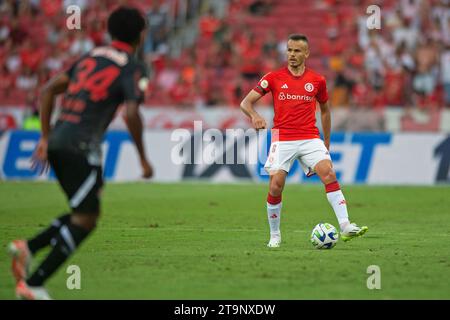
<point x="258" y="122"/>
<point x="39" y="159"/>
<point x="147" y="169"/>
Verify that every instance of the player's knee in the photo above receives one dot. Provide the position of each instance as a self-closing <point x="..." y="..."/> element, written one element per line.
<point x="276" y="187"/>
<point x="93" y="222"/>
<point x="86" y="221"/>
<point x="328" y="175"/>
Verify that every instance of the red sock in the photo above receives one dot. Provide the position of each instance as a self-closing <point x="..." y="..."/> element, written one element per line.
<point x="273" y="200"/>
<point x="333" y="186"/>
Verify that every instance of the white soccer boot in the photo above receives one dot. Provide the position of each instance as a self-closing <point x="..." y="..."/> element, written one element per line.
<point x="352" y="231"/>
<point x="275" y="241"/>
<point x="26" y="292"/>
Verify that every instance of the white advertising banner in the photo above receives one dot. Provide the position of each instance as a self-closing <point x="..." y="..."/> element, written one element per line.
<point x="231" y="155"/>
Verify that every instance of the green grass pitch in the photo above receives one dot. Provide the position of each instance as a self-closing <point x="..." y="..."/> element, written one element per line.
<point x="202" y="241"/>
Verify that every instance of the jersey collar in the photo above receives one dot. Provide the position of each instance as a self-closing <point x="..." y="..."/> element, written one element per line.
<point x="294" y="76"/>
<point x="122" y="46"/>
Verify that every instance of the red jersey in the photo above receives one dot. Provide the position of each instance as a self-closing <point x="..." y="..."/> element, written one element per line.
<point x="294" y="100"/>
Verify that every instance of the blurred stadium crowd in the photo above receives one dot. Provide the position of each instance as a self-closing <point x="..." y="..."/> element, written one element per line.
<point x="234" y="42"/>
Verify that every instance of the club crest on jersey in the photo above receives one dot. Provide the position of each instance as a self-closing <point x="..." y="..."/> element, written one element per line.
<point x="309" y="87"/>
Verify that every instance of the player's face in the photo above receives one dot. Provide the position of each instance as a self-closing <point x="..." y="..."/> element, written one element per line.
<point x="297" y="52"/>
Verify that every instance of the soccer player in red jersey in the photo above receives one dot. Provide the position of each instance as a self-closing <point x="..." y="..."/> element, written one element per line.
<point x="295" y="90"/>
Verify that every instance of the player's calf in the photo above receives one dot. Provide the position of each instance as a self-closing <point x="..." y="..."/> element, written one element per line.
<point x="274" y="216"/>
<point x="274" y="205"/>
<point x="21" y="259"/>
<point x="65" y="244"/>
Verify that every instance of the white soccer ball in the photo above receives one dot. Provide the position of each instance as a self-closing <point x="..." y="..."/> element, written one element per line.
<point x="324" y="236"/>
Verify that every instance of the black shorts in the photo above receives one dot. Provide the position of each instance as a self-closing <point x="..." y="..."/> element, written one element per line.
<point x="81" y="181"/>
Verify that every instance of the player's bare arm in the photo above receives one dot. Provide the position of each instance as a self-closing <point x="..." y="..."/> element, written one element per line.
<point x="326" y="122"/>
<point x="247" y="107"/>
<point x="55" y="86"/>
<point x="134" y="124"/>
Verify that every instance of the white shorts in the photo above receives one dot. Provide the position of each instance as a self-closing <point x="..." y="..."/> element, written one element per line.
<point x="283" y="153"/>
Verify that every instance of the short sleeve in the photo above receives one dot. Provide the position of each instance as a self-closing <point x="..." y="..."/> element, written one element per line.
<point x="134" y="83"/>
<point x="264" y="85"/>
<point x="322" y="93"/>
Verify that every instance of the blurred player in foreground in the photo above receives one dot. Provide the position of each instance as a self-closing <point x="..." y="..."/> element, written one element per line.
<point x="295" y="90"/>
<point x="94" y="87"/>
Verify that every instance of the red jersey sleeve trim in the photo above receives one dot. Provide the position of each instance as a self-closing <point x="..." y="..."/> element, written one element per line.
<point x="260" y="90"/>
<point x="323" y="92"/>
<point x="322" y="102"/>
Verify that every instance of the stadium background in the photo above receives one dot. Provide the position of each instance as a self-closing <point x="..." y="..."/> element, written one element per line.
<point x="391" y="83"/>
<point x="390" y="97"/>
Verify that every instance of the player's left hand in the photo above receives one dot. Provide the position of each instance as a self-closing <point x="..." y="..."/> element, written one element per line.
<point x="39" y="160"/>
<point x="147" y="169"/>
